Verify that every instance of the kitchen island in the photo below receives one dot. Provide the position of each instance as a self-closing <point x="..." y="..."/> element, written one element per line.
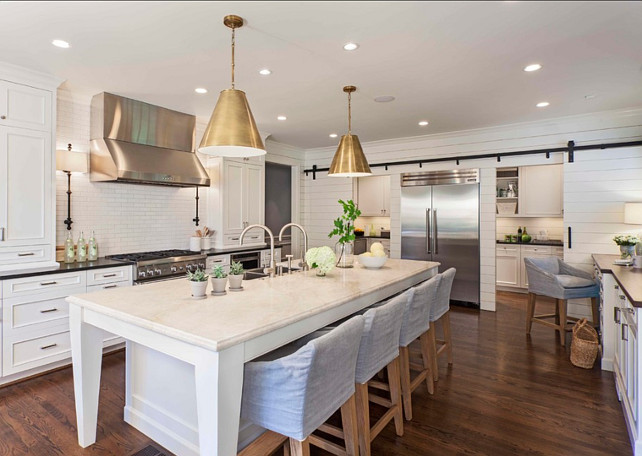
<point x="190" y="353"/>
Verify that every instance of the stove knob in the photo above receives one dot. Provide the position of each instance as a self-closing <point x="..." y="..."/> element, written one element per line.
<point x="141" y="274"/>
<point x="201" y="265"/>
<point x="189" y="267"/>
<point x="180" y="268"/>
<point x="158" y="272"/>
<point x="173" y="269"/>
<point x="150" y="272"/>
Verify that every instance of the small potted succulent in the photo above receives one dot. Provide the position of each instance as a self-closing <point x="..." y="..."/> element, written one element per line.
<point x="198" y="281"/>
<point x="236" y="275"/>
<point x="219" y="279"/>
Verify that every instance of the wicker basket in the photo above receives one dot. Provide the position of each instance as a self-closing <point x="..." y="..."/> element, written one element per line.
<point x="585" y="345"/>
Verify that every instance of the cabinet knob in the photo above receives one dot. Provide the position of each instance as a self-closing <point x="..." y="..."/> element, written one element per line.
<point x="3" y="117"/>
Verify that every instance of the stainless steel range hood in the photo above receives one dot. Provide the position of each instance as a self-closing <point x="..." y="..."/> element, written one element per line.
<point x="137" y="142"/>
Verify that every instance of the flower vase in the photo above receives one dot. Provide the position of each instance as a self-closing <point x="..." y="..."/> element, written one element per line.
<point x="345" y="255"/>
<point x="627" y="251"/>
<point x="320" y="273"/>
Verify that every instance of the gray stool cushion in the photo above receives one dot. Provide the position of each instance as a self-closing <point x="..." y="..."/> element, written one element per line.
<point x="294" y="394"/>
<point x="552" y="277"/>
<point x="569" y="281"/>
<point x="416" y="316"/>
<point x="442" y="303"/>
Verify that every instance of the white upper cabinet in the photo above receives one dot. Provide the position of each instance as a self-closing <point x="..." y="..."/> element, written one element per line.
<point x="373" y="196"/>
<point x="541" y="191"/>
<point x="25" y="107"/>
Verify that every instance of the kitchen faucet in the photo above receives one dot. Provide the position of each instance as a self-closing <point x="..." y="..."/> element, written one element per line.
<point x="304" y="265"/>
<point x="272" y="269"/>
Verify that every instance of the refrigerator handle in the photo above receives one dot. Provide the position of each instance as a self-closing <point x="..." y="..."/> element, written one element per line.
<point x="434" y="224"/>
<point x="428" y="232"/>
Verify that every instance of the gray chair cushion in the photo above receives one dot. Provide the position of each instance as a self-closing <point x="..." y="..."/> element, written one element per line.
<point x="293" y="395"/>
<point x="569" y="281"/>
<point x="442" y="303"/>
<point x="380" y="339"/>
<point x="416" y="316"/>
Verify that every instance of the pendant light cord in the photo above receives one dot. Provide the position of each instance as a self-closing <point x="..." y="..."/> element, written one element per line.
<point x="349" y="113"/>
<point x="233" y="42"/>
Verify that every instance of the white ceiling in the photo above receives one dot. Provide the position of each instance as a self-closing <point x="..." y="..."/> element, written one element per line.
<point x="456" y="64"/>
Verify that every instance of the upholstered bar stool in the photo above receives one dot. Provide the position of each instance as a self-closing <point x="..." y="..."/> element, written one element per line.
<point x="415" y="325"/>
<point x="440" y="312"/>
<point x="553" y="278"/>
<point x="292" y="392"/>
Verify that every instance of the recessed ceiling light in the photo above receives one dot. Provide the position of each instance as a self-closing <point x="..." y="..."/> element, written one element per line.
<point x="532" y="67"/>
<point x="265" y="72"/>
<point x="384" y="99"/>
<point x="333" y="135"/>
<point x="61" y="44"/>
<point x="542" y="104"/>
<point x="423" y="123"/>
<point x="282" y="118"/>
<point x="200" y="90"/>
<point x="350" y="46"/>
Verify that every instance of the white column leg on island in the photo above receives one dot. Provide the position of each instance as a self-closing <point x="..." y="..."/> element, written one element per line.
<point x="87" y="354"/>
<point x="219" y="385"/>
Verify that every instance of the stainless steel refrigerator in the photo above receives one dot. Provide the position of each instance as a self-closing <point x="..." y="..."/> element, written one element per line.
<point x="440" y="222"/>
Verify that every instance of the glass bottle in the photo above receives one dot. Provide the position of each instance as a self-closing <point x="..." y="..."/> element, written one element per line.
<point x="70" y="255"/>
<point x="519" y="234"/>
<point x="82" y="249"/>
<point x="93" y="247"/>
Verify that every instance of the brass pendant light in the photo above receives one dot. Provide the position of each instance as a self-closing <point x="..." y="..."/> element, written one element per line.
<point x="232" y="130"/>
<point x="349" y="160"/>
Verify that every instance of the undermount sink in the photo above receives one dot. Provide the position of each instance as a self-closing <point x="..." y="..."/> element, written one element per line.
<point x="256" y="273"/>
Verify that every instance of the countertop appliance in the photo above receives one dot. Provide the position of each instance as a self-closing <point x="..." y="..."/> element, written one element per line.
<point x="249" y="260"/>
<point x="162" y="264"/>
<point x="360" y="245"/>
<point x="440" y="222"/>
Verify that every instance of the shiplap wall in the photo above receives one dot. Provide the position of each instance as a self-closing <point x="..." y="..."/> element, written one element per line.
<point x="320" y="196"/>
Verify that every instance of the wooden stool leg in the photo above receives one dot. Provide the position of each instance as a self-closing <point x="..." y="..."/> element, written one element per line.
<point x="433" y="337"/>
<point x="595" y="312"/>
<point x="530" y="312"/>
<point x="562" y="306"/>
<point x="298" y="448"/>
<point x="404" y="374"/>
<point x="426" y="357"/>
<point x="395" y="394"/>
<point x="350" y="426"/>
<point x="286" y="448"/>
<point x="363" y="418"/>
<point x="445" y="323"/>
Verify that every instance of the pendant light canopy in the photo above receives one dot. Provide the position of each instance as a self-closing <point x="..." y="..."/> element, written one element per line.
<point x="232" y="130"/>
<point x="349" y="159"/>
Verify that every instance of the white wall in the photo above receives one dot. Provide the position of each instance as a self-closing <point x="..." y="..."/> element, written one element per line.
<point x="321" y="195"/>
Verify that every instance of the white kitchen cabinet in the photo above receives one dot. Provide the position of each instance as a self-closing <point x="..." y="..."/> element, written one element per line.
<point x="531" y="251"/>
<point x="373" y="196"/>
<point x="507" y="264"/>
<point x="541" y="191"/>
<point x="236" y="199"/>
<point x="27" y="171"/>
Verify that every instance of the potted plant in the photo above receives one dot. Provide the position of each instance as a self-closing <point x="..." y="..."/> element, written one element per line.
<point x="219" y="279"/>
<point x="198" y="281"/>
<point x="627" y="244"/>
<point x="322" y="259"/>
<point x="236" y="275"/>
<point x="344" y="228"/>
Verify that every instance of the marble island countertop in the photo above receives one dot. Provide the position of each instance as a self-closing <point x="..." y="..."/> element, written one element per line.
<point x="218" y="322"/>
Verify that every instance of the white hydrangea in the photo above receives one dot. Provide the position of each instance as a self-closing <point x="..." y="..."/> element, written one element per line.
<point x="322" y="258"/>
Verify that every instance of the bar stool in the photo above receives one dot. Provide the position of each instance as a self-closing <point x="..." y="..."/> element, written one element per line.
<point x="553" y="278"/>
<point x="440" y="312"/>
<point x="415" y="325"/>
<point x="292" y="391"/>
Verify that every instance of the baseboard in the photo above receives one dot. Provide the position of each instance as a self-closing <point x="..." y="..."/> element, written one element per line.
<point x="607" y="364"/>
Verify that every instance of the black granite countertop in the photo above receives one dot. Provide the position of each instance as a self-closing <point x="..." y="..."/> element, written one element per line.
<point x="374" y="237"/>
<point x="628" y="277"/>
<point x="552" y="242"/>
<point x="63" y="267"/>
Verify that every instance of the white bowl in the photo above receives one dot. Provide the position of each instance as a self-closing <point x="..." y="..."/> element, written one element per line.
<point x="372" y="262"/>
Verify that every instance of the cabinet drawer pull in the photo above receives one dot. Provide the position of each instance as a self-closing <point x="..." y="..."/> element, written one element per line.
<point x="110" y="286"/>
<point x="616" y="287"/>
<point x="53" y="309"/>
<point x="234" y="239"/>
<point x="53" y="282"/>
<point x="109" y="275"/>
<point x="48" y="346"/>
<point x="622" y="296"/>
<point x="217" y="261"/>
<point x="616" y="315"/>
<point x="624" y="325"/>
<point x="26" y="254"/>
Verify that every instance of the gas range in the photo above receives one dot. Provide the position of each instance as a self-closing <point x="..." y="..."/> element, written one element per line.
<point x="162" y="264"/>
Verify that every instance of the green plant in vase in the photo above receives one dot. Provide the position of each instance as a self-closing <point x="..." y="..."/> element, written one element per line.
<point x="344" y="228"/>
<point x="219" y="279"/>
<point x="198" y="282"/>
<point x="236" y="275"/>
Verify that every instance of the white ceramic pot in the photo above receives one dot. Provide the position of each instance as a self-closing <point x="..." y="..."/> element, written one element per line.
<point x="218" y="285"/>
<point x="195" y="244"/>
<point x="199" y="289"/>
<point x="206" y="243"/>
<point x="235" y="280"/>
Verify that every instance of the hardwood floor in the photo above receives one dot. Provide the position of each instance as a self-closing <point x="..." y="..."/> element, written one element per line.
<point x="506" y="394"/>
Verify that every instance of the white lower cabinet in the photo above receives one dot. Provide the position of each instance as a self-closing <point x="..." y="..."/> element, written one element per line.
<point x="509" y="258"/>
<point x="35" y="317"/>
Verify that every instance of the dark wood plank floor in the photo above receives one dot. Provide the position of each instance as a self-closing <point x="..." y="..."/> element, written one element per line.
<point x="507" y="394"/>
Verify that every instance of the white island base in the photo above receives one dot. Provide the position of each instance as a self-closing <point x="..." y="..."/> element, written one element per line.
<point x="185" y="357"/>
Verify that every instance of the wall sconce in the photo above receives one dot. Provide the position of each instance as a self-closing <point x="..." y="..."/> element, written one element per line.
<point x="70" y="162"/>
